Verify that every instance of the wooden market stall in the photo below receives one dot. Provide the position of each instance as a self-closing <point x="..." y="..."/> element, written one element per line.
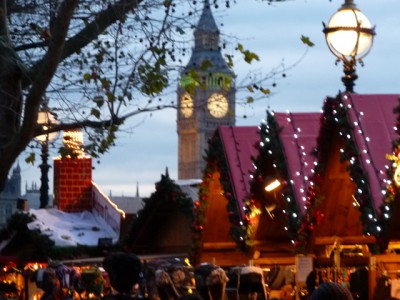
<point x="337" y="198"/>
<point x="343" y="226"/>
<point x="217" y="227"/>
<point x="234" y="212"/>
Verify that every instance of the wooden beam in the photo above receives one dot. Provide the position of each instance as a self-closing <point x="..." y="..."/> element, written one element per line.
<point x="219" y="246"/>
<point x="388" y="258"/>
<point x="330" y="240"/>
<point x="272" y="261"/>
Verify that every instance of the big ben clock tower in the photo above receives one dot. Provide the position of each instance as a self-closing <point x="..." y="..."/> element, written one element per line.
<point x="206" y="97"/>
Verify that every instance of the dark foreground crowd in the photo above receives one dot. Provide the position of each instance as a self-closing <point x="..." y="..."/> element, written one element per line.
<point x="129" y="278"/>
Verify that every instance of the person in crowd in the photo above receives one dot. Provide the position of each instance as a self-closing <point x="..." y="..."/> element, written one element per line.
<point x="331" y="291"/>
<point x="124" y="271"/>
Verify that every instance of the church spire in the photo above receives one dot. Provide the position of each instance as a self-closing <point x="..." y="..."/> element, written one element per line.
<point x="206" y="45"/>
<point x="206" y="35"/>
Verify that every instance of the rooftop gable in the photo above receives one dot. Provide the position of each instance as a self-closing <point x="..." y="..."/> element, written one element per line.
<point x="373" y="122"/>
<point x="239" y="147"/>
<point x="365" y="129"/>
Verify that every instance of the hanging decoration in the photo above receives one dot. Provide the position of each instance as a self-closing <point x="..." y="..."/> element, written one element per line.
<point x="392" y="192"/>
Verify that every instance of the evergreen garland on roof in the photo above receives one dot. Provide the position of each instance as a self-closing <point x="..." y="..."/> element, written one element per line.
<point x="271" y="157"/>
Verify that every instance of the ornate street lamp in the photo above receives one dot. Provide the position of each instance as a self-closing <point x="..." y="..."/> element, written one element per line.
<point x="349" y="36"/>
<point x="45" y="119"/>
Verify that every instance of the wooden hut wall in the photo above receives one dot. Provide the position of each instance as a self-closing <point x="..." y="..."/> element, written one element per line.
<point x="218" y="246"/>
<point x="341" y="216"/>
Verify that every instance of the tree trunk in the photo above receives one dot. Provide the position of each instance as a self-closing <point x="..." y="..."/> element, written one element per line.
<point x="10" y="97"/>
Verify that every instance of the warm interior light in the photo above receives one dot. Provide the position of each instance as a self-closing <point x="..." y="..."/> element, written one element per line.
<point x="272" y="185"/>
<point x="270" y="210"/>
<point x="396" y="176"/>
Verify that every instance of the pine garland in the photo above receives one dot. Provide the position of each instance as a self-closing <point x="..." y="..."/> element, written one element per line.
<point x="216" y="162"/>
<point x="271" y="154"/>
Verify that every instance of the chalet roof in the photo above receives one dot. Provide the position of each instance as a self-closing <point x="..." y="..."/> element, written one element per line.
<point x="298" y="137"/>
<point x="374" y="120"/>
<point x="239" y="145"/>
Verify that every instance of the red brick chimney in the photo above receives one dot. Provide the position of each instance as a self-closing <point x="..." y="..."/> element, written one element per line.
<point x="73" y="176"/>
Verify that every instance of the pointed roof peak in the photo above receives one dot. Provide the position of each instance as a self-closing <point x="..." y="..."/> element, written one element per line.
<point x="207" y="21"/>
<point x="166" y="172"/>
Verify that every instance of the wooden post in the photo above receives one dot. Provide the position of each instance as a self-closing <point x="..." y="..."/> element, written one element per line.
<point x="372" y="276"/>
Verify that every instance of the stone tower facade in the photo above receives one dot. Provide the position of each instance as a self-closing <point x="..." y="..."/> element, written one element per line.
<point x="206" y="97"/>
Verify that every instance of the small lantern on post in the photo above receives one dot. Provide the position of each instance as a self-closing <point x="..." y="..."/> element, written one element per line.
<point x="349" y="36"/>
<point x="46" y="120"/>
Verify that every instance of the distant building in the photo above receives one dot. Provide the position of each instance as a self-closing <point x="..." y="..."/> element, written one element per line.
<point x="9" y="196"/>
<point x="32" y="194"/>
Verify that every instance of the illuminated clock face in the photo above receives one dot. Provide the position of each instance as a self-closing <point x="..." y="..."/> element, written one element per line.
<point x="217" y="105"/>
<point x="187" y="105"/>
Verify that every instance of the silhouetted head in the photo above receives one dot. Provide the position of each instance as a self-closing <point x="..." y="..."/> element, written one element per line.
<point x="124" y="270"/>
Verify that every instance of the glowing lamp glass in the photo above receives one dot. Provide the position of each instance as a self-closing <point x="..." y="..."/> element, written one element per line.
<point x="349" y="33"/>
<point x="46" y="120"/>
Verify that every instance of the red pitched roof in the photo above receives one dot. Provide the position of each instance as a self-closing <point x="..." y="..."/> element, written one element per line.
<point x="298" y="137"/>
<point x="374" y="120"/>
<point x="239" y="147"/>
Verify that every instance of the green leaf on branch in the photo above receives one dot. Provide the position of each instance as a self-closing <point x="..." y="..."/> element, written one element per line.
<point x="250" y="89"/>
<point x="95" y="112"/>
<point x="180" y="30"/>
<point x="265" y="91"/>
<point x="105" y="83"/>
<point x="205" y="64"/>
<point x="99" y="101"/>
<point x="87" y="76"/>
<point x="229" y="61"/>
<point x="110" y="96"/>
<point x="248" y="55"/>
<point x="306" y="40"/>
<point x="249" y="99"/>
<point x="30" y="159"/>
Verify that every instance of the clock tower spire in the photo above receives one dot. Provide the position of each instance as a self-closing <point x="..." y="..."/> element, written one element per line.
<point x="206" y="97"/>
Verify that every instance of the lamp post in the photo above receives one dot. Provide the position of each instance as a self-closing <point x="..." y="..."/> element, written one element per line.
<point x="349" y="36"/>
<point x="45" y="119"/>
